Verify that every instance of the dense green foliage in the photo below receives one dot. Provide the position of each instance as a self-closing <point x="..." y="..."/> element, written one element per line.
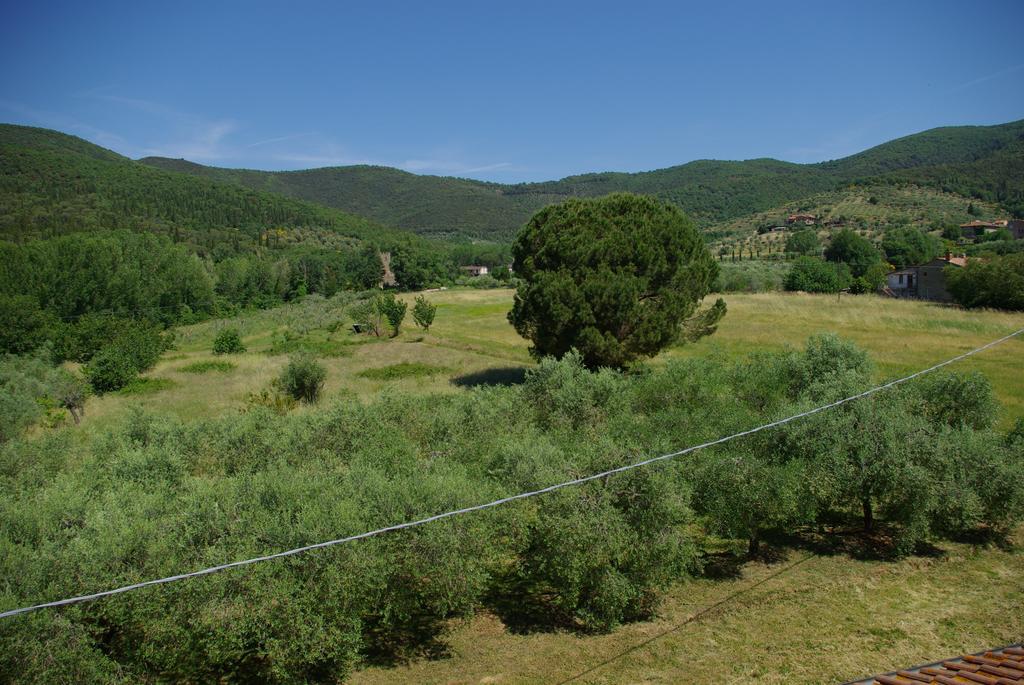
<point x="23" y="325"/>
<point x="853" y="250"/>
<point x="908" y="246"/>
<point x="121" y="272"/>
<point x="423" y="312"/>
<point x="153" y="497"/>
<point x="996" y="282"/>
<point x="614" y="278"/>
<point x="393" y="310"/>
<point x="303" y="378"/>
<point x="132" y="347"/>
<point x="31" y="389"/>
<point x="983" y="162"/>
<point x="803" y="242"/>
<point x="52" y="184"/>
<point x="812" y="275"/>
<point x="228" y="341"/>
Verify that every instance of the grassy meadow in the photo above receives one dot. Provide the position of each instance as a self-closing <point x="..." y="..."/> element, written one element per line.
<point x="471" y="343"/>
<point x="805" y="618"/>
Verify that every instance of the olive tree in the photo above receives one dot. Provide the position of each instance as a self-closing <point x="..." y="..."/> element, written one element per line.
<point x="614" y="277"/>
<point x="423" y="312"/>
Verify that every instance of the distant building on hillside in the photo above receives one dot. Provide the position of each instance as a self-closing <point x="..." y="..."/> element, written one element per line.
<point x="807" y="219"/>
<point x="925" y="281"/>
<point x="475" y="270"/>
<point x="976" y="229"/>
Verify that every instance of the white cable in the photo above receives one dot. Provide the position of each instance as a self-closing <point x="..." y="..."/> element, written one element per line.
<point x="503" y="500"/>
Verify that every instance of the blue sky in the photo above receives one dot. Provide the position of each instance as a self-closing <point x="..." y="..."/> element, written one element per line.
<point x="510" y="91"/>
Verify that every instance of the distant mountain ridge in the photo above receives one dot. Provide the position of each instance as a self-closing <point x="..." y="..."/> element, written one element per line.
<point x="52" y="183"/>
<point x="983" y="162"/>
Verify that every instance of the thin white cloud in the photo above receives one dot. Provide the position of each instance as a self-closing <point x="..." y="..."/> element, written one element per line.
<point x="987" y="77"/>
<point x="201" y="142"/>
<point x="279" y="139"/>
<point x="444" y="166"/>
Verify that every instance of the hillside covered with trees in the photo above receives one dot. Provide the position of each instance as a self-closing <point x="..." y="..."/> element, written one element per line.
<point x="52" y="184"/>
<point x="976" y="162"/>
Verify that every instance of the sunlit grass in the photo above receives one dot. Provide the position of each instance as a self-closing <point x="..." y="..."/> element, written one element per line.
<point x="804" y="619"/>
<point x="471" y="336"/>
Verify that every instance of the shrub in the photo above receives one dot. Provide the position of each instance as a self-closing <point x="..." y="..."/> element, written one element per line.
<point x="228" y="341"/>
<point x="599" y="556"/>
<point x="303" y="378"/>
<point x="812" y="275"/>
<point x="111" y="368"/>
<point x="423" y="312"/>
<point x="30" y="388"/>
<point x="745" y="495"/>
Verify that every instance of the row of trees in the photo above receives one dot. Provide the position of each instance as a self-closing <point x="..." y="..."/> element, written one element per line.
<point x="152" y="497"/>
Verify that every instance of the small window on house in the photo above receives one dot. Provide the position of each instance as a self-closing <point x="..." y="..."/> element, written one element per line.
<point x="901" y="279"/>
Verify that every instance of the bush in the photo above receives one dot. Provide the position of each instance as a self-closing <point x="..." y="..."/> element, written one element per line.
<point x="31" y="388"/>
<point x="303" y="378"/>
<point x="110" y="369"/>
<point x="228" y="341"/>
<point x="812" y="275"/>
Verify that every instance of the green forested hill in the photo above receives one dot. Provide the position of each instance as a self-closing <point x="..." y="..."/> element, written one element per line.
<point x="983" y="162"/>
<point x="53" y="184"/>
<point x="949" y="145"/>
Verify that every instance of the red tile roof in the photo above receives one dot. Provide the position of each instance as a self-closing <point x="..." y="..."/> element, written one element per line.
<point x="994" y="667"/>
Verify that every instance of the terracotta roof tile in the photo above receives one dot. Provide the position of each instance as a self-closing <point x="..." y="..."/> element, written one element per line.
<point x="993" y="667"/>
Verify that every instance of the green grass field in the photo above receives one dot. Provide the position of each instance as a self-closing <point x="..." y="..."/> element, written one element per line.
<point x="472" y="342"/>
